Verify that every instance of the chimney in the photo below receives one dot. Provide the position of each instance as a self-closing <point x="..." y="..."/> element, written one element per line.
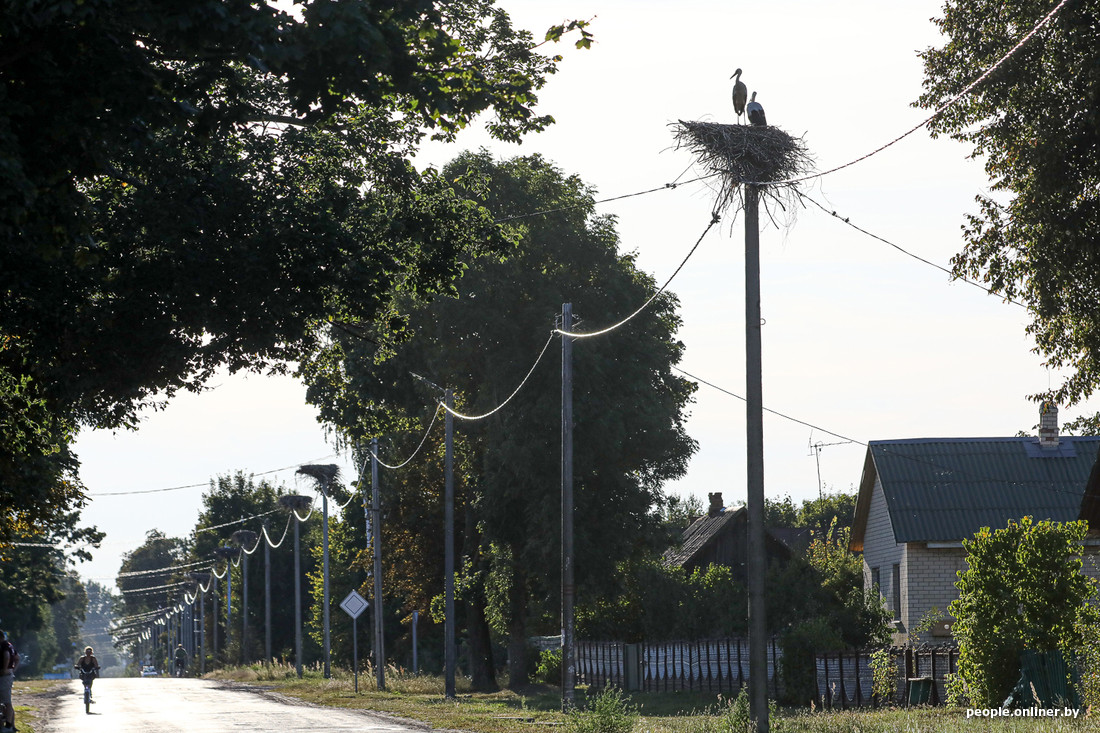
<point x="1048" y="425"/>
<point x="715" y="505"/>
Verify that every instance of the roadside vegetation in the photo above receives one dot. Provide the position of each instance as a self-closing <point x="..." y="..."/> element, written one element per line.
<point x="420" y="697"/>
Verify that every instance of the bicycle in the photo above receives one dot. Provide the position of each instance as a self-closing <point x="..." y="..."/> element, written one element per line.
<point x="86" y="678"/>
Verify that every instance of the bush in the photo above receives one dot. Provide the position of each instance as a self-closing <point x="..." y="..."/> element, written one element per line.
<point x="798" y="666"/>
<point x="1023" y="589"/>
<point x="735" y="717"/>
<point x="549" y="668"/>
<point x="884" y="676"/>
<point x="608" y="712"/>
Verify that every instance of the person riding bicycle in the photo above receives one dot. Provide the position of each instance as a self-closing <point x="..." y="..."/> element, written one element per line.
<point x="89" y="668"/>
<point x="181" y="660"/>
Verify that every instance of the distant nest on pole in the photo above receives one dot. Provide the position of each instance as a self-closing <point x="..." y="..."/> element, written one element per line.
<point x="745" y="154"/>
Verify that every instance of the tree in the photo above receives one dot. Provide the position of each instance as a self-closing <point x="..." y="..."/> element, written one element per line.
<point x="68" y="615"/>
<point x="629" y="435"/>
<point x="1022" y="589"/>
<point x="148" y="577"/>
<point x="98" y="619"/>
<point x="1035" y="122"/>
<point x="218" y="183"/>
<point x="231" y="498"/>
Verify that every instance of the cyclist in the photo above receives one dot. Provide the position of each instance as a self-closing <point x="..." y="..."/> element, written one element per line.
<point x="181" y="660"/>
<point x="89" y="668"/>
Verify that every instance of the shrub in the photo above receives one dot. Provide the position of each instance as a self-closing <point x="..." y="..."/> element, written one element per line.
<point x="884" y="676"/>
<point x="609" y="712"/>
<point x="1023" y="589"/>
<point x="735" y="717"/>
<point x="549" y="668"/>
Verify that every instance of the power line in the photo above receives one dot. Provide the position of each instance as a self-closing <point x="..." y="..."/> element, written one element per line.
<point x="205" y="484"/>
<point x="906" y="252"/>
<point x="939" y="110"/>
<point x="666" y="187"/>
<point x="530" y="371"/>
<point x="714" y="220"/>
<point x="404" y="463"/>
<point x="886" y="449"/>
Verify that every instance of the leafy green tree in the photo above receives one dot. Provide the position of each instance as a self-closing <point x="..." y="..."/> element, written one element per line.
<point x="216" y="184"/>
<point x="836" y="511"/>
<point x="98" y="620"/>
<point x="148" y="577"/>
<point x="1034" y="121"/>
<point x="68" y="614"/>
<point x="629" y="436"/>
<point x="231" y="498"/>
<point x="1023" y="589"/>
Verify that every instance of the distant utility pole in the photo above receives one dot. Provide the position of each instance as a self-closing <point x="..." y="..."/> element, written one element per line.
<point x="568" y="657"/>
<point x="449" y="552"/>
<point x="754" y="409"/>
<point x="376" y="528"/>
<point x="296" y="503"/>
<point x="267" y="597"/>
<point x="245" y="537"/>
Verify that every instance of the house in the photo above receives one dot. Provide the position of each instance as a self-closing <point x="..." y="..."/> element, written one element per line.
<point x="721" y="538"/>
<point x="919" y="498"/>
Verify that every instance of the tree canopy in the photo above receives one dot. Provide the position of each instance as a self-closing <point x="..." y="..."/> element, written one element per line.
<point x="1036" y="122"/>
<point x="189" y="186"/>
<point x="629" y="406"/>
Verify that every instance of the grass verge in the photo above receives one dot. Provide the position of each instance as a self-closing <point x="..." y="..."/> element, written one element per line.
<point x="420" y="698"/>
<point x="29" y="696"/>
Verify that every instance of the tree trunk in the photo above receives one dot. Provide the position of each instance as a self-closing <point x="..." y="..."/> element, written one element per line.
<point x="482" y="673"/>
<point x="517" y="628"/>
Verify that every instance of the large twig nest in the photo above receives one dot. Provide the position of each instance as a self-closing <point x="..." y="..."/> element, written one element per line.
<point x="740" y="154"/>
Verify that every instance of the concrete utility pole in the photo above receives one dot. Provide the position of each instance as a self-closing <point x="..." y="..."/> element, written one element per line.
<point x="449" y="553"/>
<point x="323" y="475"/>
<point x="214" y="618"/>
<point x="267" y="597"/>
<point x="296" y="503"/>
<point x="245" y="537"/>
<point x="568" y="657"/>
<point x="376" y="530"/>
<point x="754" y="404"/>
<point x="228" y="553"/>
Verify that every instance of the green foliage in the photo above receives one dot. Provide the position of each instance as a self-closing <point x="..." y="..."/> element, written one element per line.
<point x="158" y="553"/>
<point x="734" y="717"/>
<point x="1023" y="589"/>
<point x="1089" y="659"/>
<point x="831" y="510"/>
<point x="504" y="475"/>
<point x="884" y="676"/>
<point x="1034" y="236"/>
<point x="660" y="602"/>
<point x="191" y="187"/>
<point x="549" y="668"/>
<point x="798" y="666"/>
<point x="609" y="712"/>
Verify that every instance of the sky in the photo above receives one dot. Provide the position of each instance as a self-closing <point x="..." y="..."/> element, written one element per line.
<point x="859" y="339"/>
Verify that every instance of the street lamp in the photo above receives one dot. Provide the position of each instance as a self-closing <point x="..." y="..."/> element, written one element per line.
<point x="227" y="553"/>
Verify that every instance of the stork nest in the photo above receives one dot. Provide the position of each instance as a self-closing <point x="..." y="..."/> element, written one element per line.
<point x="322" y="473"/>
<point x="741" y="154"/>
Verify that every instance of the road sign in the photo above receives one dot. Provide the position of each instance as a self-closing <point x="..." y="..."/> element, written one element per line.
<point x="354" y="605"/>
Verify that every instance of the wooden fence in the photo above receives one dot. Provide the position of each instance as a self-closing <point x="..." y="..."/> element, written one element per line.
<point x="722" y="665"/>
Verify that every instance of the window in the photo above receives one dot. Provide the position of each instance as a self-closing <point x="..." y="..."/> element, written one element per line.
<point x="896" y="581"/>
<point x="876" y="581"/>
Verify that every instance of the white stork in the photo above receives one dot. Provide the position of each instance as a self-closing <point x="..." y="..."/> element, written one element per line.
<point x="740" y="94"/>
<point x="756" y="112"/>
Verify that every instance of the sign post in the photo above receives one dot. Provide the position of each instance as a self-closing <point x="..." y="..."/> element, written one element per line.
<point x="353" y="605"/>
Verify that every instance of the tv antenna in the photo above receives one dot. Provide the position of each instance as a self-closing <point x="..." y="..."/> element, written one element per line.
<point x="815" y="451"/>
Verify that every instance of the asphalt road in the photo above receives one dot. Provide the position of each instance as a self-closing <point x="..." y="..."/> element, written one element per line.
<point x="167" y="705"/>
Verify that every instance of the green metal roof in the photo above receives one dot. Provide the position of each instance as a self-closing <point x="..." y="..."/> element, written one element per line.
<point x="946" y="489"/>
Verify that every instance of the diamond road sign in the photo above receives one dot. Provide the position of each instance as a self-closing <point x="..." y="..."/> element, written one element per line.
<point x="354" y="604"/>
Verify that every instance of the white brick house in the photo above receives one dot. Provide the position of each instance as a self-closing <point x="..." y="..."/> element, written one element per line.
<point x="919" y="498"/>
